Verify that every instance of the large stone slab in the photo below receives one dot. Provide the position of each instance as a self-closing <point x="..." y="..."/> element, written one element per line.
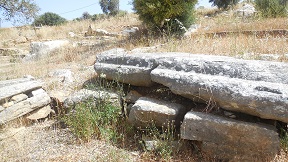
<point x="256" y="70"/>
<point x="255" y="87"/>
<point x="147" y="111"/>
<point x="264" y="99"/>
<point x="43" y="49"/>
<point x="14" y="89"/>
<point x="4" y="83"/>
<point x="231" y="139"/>
<point x="40" y="99"/>
<point x="117" y="65"/>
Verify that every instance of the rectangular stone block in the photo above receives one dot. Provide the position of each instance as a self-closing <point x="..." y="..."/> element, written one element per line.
<point x="230" y="139"/>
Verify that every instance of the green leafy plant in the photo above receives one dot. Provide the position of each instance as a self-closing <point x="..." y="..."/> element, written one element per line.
<point x="166" y="140"/>
<point x="272" y="8"/>
<point x="93" y="119"/>
<point x="166" y="15"/>
<point x="284" y="139"/>
<point x="17" y="10"/>
<point x="50" y="19"/>
<point x="99" y="118"/>
<point x="223" y="4"/>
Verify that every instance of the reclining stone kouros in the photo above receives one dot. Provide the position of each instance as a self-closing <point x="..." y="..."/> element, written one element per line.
<point x="258" y="89"/>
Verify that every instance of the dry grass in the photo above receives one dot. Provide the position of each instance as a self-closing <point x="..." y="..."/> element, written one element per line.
<point x="230" y="45"/>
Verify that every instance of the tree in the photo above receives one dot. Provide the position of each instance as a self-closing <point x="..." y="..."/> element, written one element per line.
<point x="223" y="4"/>
<point x="110" y="7"/>
<point x="18" y="9"/>
<point x="49" y="19"/>
<point x="167" y="15"/>
<point x="86" y="16"/>
<point x="272" y="8"/>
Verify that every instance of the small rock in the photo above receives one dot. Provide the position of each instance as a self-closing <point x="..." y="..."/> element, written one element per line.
<point x="246" y="10"/>
<point x="151" y="145"/>
<point x="65" y="75"/>
<point x="71" y="34"/>
<point x="1" y="108"/>
<point x="130" y="31"/>
<point x="8" y="104"/>
<point x="229" y="114"/>
<point x="132" y="96"/>
<point x="41" y="113"/>
<point x="37" y="92"/>
<point x="21" y="40"/>
<point x="19" y="98"/>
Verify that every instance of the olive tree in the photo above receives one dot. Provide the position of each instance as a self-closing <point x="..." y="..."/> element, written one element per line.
<point x="110" y="7"/>
<point x="49" y="19"/>
<point x="171" y="16"/>
<point x="18" y="10"/>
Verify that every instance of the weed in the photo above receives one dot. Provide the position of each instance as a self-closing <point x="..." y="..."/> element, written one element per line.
<point x="284" y="139"/>
<point x="165" y="141"/>
<point x="93" y="119"/>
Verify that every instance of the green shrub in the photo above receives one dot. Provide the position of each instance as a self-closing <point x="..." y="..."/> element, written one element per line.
<point x="272" y="8"/>
<point x="166" y="15"/>
<point x="50" y="19"/>
<point x="223" y="4"/>
<point x="93" y="119"/>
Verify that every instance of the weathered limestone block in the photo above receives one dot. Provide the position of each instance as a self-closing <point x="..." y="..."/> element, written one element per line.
<point x="43" y="49"/>
<point x="14" y="89"/>
<point x="130" y="69"/>
<point x="137" y="76"/>
<point x="264" y="99"/>
<point x="256" y="70"/>
<point x="231" y="139"/>
<point x="41" y="113"/>
<point x="148" y="110"/>
<point x="19" y="98"/>
<point x="85" y="94"/>
<point x="39" y="100"/>
<point x="4" y="83"/>
<point x="258" y="88"/>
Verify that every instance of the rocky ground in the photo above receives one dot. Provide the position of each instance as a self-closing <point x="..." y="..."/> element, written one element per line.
<point x="44" y="142"/>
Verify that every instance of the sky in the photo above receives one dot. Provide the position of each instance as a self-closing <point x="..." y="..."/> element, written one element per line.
<point x="71" y="9"/>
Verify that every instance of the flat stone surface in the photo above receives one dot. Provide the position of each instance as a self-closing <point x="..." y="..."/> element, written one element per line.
<point x="41" y="113"/>
<point x="4" y="83"/>
<point x="14" y="89"/>
<point x="138" y="76"/>
<point x="19" y="97"/>
<point x="231" y="139"/>
<point x="147" y="111"/>
<point x="117" y="65"/>
<point x="264" y="99"/>
<point x="254" y="87"/>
